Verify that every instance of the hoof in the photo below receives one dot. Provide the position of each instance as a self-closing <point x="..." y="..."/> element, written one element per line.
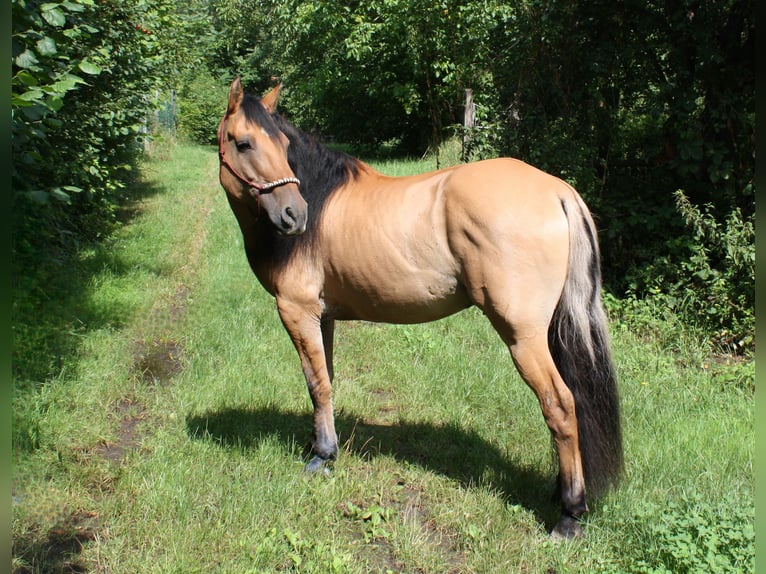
<point x="317" y="465"/>
<point x="567" y="529"/>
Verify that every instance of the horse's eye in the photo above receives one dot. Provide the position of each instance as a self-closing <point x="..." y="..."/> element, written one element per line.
<point x="243" y="145"/>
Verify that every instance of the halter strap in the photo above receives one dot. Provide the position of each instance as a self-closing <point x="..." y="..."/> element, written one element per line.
<point x="259" y="187"/>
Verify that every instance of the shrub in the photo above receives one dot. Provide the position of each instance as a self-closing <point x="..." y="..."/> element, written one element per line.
<point x="82" y="77"/>
<point x="201" y="104"/>
<point x="708" y="275"/>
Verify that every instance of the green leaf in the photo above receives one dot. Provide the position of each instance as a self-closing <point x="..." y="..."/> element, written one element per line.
<point x="72" y="6"/>
<point x="89" y="68"/>
<point x="26" y="59"/>
<point x="53" y="16"/>
<point x="54" y="103"/>
<point x="34" y="112"/>
<point x="46" y="46"/>
<point x="75" y="78"/>
<point x="61" y="195"/>
<point x="66" y="83"/>
<point x="63" y="86"/>
<point x="27" y="78"/>
<point x="32" y="95"/>
<point x="18" y="102"/>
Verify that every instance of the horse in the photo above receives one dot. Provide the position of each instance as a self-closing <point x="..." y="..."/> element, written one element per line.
<point x="331" y="238"/>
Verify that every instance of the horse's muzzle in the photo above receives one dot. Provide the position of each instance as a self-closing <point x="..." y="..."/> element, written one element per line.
<point x="286" y="209"/>
<point x="293" y="221"/>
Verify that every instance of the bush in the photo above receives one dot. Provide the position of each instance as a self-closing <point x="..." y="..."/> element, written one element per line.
<point x="83" y="74"/>
<point x="201" y="105"/>
<point x="707" y="275"/>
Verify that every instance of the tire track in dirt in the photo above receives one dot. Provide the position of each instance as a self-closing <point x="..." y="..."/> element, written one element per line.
<point x="159" y="355"/>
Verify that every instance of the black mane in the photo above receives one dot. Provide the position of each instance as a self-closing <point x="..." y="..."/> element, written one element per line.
<point x="320" y="170"/>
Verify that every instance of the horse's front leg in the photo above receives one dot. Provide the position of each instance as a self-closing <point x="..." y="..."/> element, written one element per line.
<point x="304" y="324"/>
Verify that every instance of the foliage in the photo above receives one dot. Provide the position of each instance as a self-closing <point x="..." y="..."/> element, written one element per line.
<point x="692" y="535"/>
<point x="709" y="276"/>
<point x="366" y="73"/>
<point x="707" y="279"/>
<point x="374" y="519"/>
<point x="201" y="104"/>
<point x="484" y="139"/>
<point x="305" y="554"/>
<point x="634" y="102"/>
<point x="85" y="74"/>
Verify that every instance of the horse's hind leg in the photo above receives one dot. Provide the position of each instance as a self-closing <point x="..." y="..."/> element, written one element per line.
<point x="536" y="366"/>
<point x="328" y="337"/>
<point x="529" y="349"/>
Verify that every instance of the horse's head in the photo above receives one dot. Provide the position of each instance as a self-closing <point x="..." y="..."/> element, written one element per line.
<point x="253" y="161"/>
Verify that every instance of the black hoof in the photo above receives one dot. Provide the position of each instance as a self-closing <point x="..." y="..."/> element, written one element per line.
<point x="317" y="465"/>
<point x="568" y="528"/>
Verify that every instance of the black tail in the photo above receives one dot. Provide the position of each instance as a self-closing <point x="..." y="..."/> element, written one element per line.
<point x="579" y="342"/>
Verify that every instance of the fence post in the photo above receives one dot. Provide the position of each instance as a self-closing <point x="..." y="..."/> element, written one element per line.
<point x="469" y="121"/>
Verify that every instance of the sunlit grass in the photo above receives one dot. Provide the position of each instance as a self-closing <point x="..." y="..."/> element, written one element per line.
<point x="445" y="461"/>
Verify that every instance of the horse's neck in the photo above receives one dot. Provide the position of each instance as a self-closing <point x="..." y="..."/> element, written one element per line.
<point x="254" y="235"/>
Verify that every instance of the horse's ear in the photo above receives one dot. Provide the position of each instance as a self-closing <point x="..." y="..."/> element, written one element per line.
<point x="235" y="96"/>
<point x="270" y="100"/>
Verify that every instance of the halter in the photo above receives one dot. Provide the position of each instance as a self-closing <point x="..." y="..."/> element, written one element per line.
<point x="258" y="187"/>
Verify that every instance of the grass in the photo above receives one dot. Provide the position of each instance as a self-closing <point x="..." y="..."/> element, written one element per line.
<point x="160" y="416"/>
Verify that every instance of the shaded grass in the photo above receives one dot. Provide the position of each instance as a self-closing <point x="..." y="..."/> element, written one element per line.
<point x="170" y="438"/>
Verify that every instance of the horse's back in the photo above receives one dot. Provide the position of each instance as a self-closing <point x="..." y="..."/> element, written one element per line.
<point x="510" y="185"/>
<point x="509" y="205"/>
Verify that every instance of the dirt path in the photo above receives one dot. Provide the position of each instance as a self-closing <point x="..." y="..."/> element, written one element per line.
<point x="159" y="354"/>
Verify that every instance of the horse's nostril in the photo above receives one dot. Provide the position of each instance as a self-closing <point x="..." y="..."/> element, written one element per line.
<point x="288" y="215"/>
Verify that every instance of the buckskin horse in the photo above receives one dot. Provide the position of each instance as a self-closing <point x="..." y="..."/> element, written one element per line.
<point x="333" y="239"/>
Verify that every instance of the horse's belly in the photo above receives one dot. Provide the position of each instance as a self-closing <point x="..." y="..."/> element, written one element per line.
<point x="403" y="298"/>
<point x="390" y="259"/>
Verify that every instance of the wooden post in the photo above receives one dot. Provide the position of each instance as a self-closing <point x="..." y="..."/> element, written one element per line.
<point x="469" y="120"/>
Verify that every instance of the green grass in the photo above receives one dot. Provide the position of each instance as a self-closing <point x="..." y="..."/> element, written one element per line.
<point x="160" y="416"/>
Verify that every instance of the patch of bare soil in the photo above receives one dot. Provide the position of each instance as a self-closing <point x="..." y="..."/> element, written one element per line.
<point x="59" y="549"/>
<point x="411" y="505"/>
<point x="128" y="437"/>
<point x="159" y="361"/>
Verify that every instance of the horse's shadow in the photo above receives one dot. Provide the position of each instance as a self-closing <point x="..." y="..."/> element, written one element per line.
<point x="457" y="453"/>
